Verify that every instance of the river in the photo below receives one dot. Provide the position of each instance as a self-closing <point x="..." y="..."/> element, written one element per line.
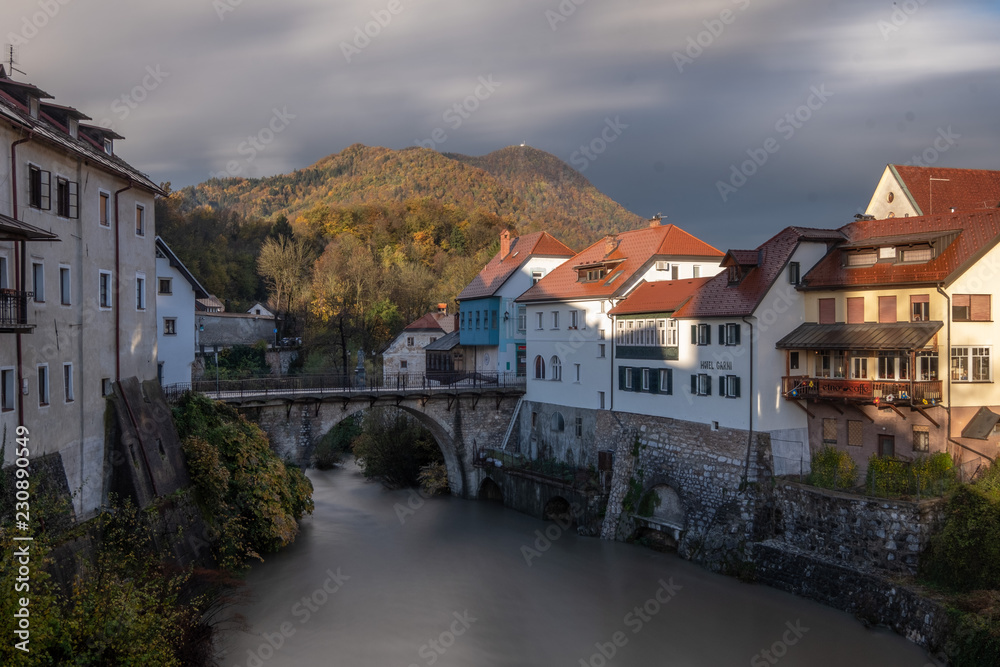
<point x="383" y="579"/>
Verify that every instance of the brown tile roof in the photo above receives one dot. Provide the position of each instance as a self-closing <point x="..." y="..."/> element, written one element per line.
<point x="658" y="297"/>
<point x="429" y="322"/>
<point x="742" y="257"/>
<point x="980" y="231"/>
<point x="869" y="336"/>
<point x="499" y="269"/>
<point x="964" y="189"/>
<point x="720" y="299"/>
<point x="634" y="249"/>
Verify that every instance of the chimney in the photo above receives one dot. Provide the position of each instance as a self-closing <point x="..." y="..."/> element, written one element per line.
<point x="610" y="243"/>
<point x="504" y="243"/>
<point x="443" y="308"/>
<point x="655" y="220"/>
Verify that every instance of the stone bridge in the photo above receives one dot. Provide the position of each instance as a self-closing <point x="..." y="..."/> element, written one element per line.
<point x="465" y="416"/>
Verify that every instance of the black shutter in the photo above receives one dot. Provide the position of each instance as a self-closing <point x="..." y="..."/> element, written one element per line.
<point x="74" y="200"/>
<point x="708" y="334"/>
<point x="739" y="330"/>
<point x="670" y="380"/>
<point x="45" y="182"/>
<point x="621" y="378"/>
<point x="694" y="334"/>
<point x="722" y="334"/>
<point x="722" y="385"/>
<point x="736" y="389"/>
<point x="654" y="380"/>
<point x="694" y="385"/>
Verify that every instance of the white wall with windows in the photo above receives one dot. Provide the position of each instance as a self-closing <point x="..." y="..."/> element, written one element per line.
<point x="175" y="315"/>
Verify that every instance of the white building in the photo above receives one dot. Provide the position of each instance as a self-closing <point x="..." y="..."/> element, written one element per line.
<point x="405" y="356"/>
<point x="176" y="291"/>
<point x="75" y="314"/>
<point x="261" y="310"/>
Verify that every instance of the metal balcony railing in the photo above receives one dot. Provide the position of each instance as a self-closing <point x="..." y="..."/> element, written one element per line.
<point x="14" y="311"/>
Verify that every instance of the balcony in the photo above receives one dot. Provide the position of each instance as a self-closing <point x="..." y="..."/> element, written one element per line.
<point x="14" y="311"/>
<point x="870" y="392"/>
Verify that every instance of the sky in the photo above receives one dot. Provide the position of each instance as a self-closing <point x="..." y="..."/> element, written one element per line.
<point x="732" y="118"/>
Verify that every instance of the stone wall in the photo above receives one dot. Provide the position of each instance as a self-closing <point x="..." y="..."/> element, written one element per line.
<point x="541" y="437"/>
<point x="866" y="533"/>
<point x="531" y="494"/>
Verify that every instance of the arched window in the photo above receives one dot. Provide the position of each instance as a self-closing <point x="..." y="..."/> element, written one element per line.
<point x="539" y="368"/>
<point x="556" y="368"/>
<point x="558" y="423"/>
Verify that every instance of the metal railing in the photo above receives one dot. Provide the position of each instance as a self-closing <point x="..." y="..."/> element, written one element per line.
<point x="866" y="391"/>
<point x="326" y="384"/>
<point x="14" y="308"/>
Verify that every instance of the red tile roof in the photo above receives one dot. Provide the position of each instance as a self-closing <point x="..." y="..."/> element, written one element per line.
<point x="980" y="231"/>
<point x="499" y="269"/>
<point x="658" y="297"/>
<point x="720" y="299"/>
<point x="634" y="248"/>
<point x="963" y="189"/>
<point x="429" y="322"/>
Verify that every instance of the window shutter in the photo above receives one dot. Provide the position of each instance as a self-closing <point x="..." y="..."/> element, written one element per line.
<point x="722" y="385"/>
<point x="887" y="309"/>
<point x="708" y="385"/>
<point x="827" y="311"/>
<point x="694" y="334"/>
<point x="739" y="333"/>
<point x="708" y="335"/>
<point x="959" y="300"/>
<point x="46" y="190"/>
<point x="736" y="389"/>
<point x="980" y="307"/>
<point x="670" y="380"/>
<point x="621" y="378"/>
<point x="722" y="334"/>
<point x="654" y="381"/>
<point x="856" y="310"/>
<point x="694" y="385"/>
<point x="74" y="200"/>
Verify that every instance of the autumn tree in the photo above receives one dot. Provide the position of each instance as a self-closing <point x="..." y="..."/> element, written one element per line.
<point x="286" y="266"/>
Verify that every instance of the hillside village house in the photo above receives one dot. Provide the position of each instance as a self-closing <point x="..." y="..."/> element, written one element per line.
<point x="404" y="358"/>
<point x="905" y="191"/>
<point x="176" y="292"/>
<point x="492" y="329"/>
<point x="569" y="328"/>
<point x="896" y="355"/>
<point x="77" y="261"/>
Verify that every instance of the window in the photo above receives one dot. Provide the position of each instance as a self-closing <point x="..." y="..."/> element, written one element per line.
<point x="43" y="384"/>
<point x="793" y="361"/>
<point x="495" y="320"/>
<point x="887" y="252"/>
<point x="140" y="220"/>
<point x="921" y="439"/>
<point x="539" y="368"/>
<point x="601" y="334"/>
<point x="917" y="255"/>
<point x="105" y="386"/>
<point x="556" y="369"/>
<point x="793" y="272"/>
<point x="105" y="202"/>
<point x="855" y="310"/>
<point x="555" y="319"/>
<point x="887" y="309"/>
<point x="140" y="291"/>
<point x="557" y="422"/>
<point x="166" y="286"/>
<point x="970" y="308"/>
<point x="729" y="386"/>
<point x="866" y="258"/>
<point x="7" y="391"/>
<point x="534" y="419"/>
<point x="539" y="316"/>
<point x="696" y="271"/>
<point x="39" y="188"/>
<point x="462" y="321"/>
<point x="701" y="334"/>
<point x="674" y="272"/>
<point x="827" y="311"/>
<point x="729" y="334"/>
<point x="486" y="319"/>
<point x="971" y="364"/>
<point x="169" y="326"/>
<point x="859" y="368"/>
<point x="579" y="427"/>
<point x="855" y="433"/>
<point x="38" y="281"/>
<point x="68" y="382"/>
<point x="600" y="350"/>
<point x="536" y="275"/>
<point x="64" y="286"/>
<point x="628" y="378"/>
<point x="479" y="315"/>
<point x="409" y="341"/>
<point x="67" y="198"/>
<point x="701" y="384"/>
<point x="576" y="372"/>
<point x="3" y="273"/>
<point x="645" y="379"/>
<point x="402" y="365"/>
<point x="893" y="366"/>
<point x="432" y="339"/>
<point x="104" y="291"/>
<point x="600" y="400"/>
<point x="829" y="431"/>
<point x="574" y="319"/>
<point x="927" y="366"/>
<point x="672" y="335"/>
<point x="522" y="319"/>
<point x="666" y="381"/>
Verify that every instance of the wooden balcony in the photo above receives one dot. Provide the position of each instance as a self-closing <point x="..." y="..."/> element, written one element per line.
<point x="872" y="392"/>
<point x="14" y="311"/>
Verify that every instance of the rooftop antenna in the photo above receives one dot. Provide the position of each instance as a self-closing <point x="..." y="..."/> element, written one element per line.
<point x="11" y="59"/>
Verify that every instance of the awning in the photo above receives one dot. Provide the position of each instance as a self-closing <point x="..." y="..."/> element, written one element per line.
<point x="895" y="336"/>
<point x="15" y="230"/>
<point x="445" y="343"/>
<point x="981" y="426"/>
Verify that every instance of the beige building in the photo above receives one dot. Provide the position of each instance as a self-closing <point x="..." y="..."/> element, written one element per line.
<point x="77" y="280"/>
<point x="905" y="191"/>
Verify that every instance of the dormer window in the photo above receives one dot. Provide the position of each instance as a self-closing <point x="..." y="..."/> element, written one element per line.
<point x="887" y="252"/>
<point x="592" y="275"/>
<point x="734" y="274"/>
<point x="109" y="147"/>
<point x="864" y="258"/>
<point x="917" y="255"/>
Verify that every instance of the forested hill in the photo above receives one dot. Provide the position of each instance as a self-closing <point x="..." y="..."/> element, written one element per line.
<point x="528" y="187"/>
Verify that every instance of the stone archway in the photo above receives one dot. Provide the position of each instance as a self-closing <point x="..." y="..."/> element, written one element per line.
<point x="491" y="491"/>
<point x="558" y="509"/>
<point x="669" y="509"/>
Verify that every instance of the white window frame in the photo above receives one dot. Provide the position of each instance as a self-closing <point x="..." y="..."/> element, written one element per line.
<point x="673" y="337"/>
<point x="970" y="353"/>
<point x="110" y="291"/>
<point x="540" y="324"/>
<point x="574" y="319"/>
<point x="68" y="393"/>
<point x="555" y="319"/>
<point x="44" y="388"/>
<point x="628" y="378"/>
<point x="4" y="278"/>
<point x="665" y="381"/>
<point x="732" y="334"/>
<point x="731" y="386"/>
<point x="555" y="365"/>
<point x="601" y="350"/>
<point x="522" y="319"/>
<point x="576" y="370"/>
<point x="704" y="384"/>
<point x="645" y="379"/>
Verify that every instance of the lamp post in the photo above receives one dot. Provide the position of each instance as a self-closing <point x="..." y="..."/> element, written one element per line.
<point x="217" y="372"/>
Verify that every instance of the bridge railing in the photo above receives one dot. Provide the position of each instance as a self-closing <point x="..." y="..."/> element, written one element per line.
<point x="348" y="383"/>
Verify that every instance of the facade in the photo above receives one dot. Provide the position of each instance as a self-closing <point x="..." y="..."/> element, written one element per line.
<point x="896" y="353"/>
<point x="406" y="355"/>
<point x="905" y="191"/>
<point x="492" y="328"/>
<point x="78" y="311"/>
<point x="176" y="292"/>
<point x="260" y="310"/>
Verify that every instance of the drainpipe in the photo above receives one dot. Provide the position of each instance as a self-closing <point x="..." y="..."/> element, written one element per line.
<point x="947" y="358"/>
<point x="750" y="393"/>
<point x="118" y="310"/>
<point x="611" y="341"/>
<point x="20" y="276"/>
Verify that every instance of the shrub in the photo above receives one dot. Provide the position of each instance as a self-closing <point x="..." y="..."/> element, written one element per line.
<point x="433" y="479"/>
<point x="887" y="476"/>
<point x="965" y="554"/>
<point x="392" y="447"/>
<point x="336" y="443"/>
<point x="932" y="475"/>
<point x="833" y="468"/>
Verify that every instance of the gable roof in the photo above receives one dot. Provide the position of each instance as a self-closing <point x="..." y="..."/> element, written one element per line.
<point x="631" y="251"/>
<point x="499" y="269"/>
<point x="718" y="298"/>
<point x="426" y="323"/>
<point x="658" y="297"/>
<point x="964" y="238"/>
<point x="961" y="189"/>
<point x="199" y="291"/>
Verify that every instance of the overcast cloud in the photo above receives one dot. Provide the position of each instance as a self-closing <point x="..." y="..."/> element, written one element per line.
<point x="681" y="91"/>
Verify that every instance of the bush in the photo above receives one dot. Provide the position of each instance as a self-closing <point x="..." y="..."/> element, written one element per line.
<point x="932" y="475"/>
<point x="253" y="499"/>
<point x="434" y="479"/>
<point x="975" y="636"/>
<point x="833" y="468"/>
<point x="887" y="476"/>
<point x="393" y="448"/>
<point x="965" y="554"/>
